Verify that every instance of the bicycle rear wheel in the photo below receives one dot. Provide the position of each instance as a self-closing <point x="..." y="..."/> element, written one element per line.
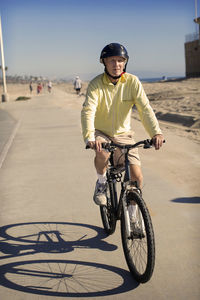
<point x="139" y="250"/>
<point x="108" y="212"/>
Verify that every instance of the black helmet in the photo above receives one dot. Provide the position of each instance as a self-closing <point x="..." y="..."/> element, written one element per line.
<point x="114" y="49"/>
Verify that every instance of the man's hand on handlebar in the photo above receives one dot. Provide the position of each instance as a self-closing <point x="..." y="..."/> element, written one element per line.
<point x="158" y="140"/>
<point x="95" y="145"/>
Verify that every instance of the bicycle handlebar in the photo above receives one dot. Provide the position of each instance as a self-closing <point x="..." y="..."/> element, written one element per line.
<point x="110" y="146"/>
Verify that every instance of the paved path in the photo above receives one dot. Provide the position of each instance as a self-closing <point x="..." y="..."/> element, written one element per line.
<point x="50" y="227"/>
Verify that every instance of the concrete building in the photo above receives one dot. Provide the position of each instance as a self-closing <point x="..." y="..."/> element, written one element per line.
<point x="192" y="53"/>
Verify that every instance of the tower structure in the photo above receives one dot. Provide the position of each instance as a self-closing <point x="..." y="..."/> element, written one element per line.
<point x="192" y="51"/>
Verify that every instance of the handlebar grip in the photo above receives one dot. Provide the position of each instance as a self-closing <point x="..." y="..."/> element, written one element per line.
<point x="151" y="142"/>
<point x="103" y="145"/>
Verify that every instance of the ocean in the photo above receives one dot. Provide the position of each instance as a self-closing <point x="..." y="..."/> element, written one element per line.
<point x="164" y="78"/>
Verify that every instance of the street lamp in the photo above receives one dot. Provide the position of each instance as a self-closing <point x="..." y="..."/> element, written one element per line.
<point x="5" y="94"/>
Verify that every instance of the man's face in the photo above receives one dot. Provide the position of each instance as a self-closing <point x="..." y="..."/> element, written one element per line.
<point x="115" y="65"/>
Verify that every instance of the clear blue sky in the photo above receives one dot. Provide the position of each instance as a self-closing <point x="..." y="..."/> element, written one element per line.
<point x="64" y="38"/>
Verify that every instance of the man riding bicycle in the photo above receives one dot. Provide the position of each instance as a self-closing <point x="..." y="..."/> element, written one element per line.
<point x="106" y="115"/>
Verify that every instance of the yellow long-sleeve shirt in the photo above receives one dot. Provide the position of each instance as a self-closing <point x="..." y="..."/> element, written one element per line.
<point x="107" y="107"/>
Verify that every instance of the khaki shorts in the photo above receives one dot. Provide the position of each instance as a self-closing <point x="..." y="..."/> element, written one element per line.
<point x="125" y="138"/>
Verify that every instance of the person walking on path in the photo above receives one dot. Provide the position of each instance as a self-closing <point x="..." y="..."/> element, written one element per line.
<point x="49" y="86"/>
<point x="106" y="115"/>
<point x="39" y="88"/>
<point x="31" y="87"/>
<point x="77" y="85"/>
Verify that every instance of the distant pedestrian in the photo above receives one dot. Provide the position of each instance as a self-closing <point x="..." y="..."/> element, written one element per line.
<point x="31" y="87"/>
<point x="39" y="88"/>
<point x="49" y="86"/>
<point x="77" y="85"/>
<point x="164" y="78"/>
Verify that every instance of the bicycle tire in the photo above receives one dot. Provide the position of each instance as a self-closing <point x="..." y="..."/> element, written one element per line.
<point x="139" y="252"/>
<point x="107" y="212"/>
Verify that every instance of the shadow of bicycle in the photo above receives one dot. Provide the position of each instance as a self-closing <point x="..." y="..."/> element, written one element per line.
<point x="52" y="277"/>
<point x="51" y="237"/>
<point x="66" y="278"/>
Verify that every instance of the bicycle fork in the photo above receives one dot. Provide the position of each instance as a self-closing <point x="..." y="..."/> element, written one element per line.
<point x="126" y="216"/>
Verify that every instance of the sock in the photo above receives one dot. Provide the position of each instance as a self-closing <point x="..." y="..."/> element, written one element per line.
<point x="101" y="178"/>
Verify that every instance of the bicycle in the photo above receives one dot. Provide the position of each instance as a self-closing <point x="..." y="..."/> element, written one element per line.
<point x="138" y="237"/>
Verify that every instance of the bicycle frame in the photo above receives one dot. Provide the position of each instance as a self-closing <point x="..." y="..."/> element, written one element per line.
<point x="113" y="174"/>
<point x="124" y="182"/>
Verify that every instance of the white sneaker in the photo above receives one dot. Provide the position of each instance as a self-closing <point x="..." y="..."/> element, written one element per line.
<point x="100" y="193"/>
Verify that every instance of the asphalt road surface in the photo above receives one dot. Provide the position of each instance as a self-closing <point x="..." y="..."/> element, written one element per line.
<point x="51" y="238"/>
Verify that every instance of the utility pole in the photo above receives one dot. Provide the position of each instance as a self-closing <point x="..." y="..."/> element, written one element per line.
<point x="197" y="19"/>
<point x="5" y="94"/>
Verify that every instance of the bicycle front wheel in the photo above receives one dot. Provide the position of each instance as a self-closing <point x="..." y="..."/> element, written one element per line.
<point x="139" y="248"/>
<point x="108" y="212"/>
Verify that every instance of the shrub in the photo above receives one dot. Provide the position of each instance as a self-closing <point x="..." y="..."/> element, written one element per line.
<point x="22" y="98"/>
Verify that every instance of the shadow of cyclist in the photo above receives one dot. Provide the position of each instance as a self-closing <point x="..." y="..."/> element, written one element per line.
<point x="51" y="240"/>
<point x="66" y="278"/>
<point x="56" y="277"/>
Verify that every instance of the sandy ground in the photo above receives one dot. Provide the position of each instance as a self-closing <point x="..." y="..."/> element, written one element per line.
<point x="176" y="103"/>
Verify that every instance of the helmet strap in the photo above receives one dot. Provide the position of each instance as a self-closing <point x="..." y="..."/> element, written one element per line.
<point x="114" y="77"/>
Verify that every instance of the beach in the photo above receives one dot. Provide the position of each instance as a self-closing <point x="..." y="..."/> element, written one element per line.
<point x="49" y="221"/>
<point x="175" y="102"/>
<point x="177" y="105"/>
